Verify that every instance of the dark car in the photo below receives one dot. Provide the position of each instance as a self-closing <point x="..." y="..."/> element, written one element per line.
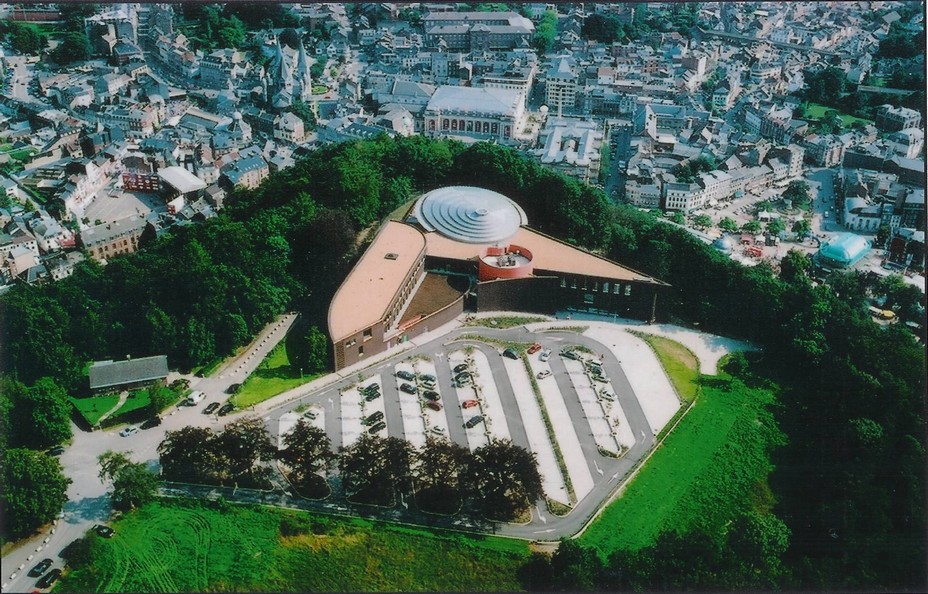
<point x="569" y="354"/>
<point x="406" y="375"/>
<point x="226" y="409"/>
<point x="372" y="396"/>
<point x="408" y="388"/>
<point x="56" y="451"/>
<point x="463" y="378"/>
<point x="428" y="377"/>
<point x="511" y="353"/>
<point x="372" y="418"/>
<point x="234" y="388"/>
<point x="433" y="405"/>
<point x="210" y="408"/>
<point x="473" y="421"/>
<point x="40" y="568"/>
<point x="152" y="422"/>
<point x="370" y="389"/>
<point x="460" y="367"/>
<point x="378" y="427"/>
<point x="50" y="578"/>
<point x="431" y="395"/>
<point x="104" y="531"/>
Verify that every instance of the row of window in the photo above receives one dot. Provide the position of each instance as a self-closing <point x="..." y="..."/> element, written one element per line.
<point x="585" y="284"/>
<point x="470" y="126"/>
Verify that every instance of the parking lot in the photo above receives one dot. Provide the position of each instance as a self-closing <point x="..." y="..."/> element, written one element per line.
<point x="584" y="416"/>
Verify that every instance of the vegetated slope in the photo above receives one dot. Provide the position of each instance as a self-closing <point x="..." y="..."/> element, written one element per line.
<point x="185" y="547"/>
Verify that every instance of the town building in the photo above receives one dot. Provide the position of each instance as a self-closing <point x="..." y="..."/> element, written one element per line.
<point x="463" y="246"/>
<point x="477" y="31"/>
<point x="479" y="113"/>
<point x="893" y="119"/>
<point x="561" y="86"/>
<point x="572" y="147"/>
<point x="104" y="241"/>
<point x="112" y="376"/>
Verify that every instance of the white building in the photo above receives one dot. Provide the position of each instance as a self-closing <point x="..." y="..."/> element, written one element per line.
<point x="479" y="113"/>
<point x="572" y="147"/>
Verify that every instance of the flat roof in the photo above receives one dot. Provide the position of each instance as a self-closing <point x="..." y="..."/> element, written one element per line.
<point x="106" y="374"/>
<point x="363" y="298"/>
<point x="181" y="179"/>
<point x="547" y="254"/>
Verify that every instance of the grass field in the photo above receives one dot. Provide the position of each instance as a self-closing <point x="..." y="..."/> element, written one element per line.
<point x="273" y="376"/>
<point x="679" y="362"/>
<point x="140" y="399"/>
<point x="94" y="407"/>
<point x="817" y="111"/>
<point x="175" y="547"/>
<point x="715" y="462"/>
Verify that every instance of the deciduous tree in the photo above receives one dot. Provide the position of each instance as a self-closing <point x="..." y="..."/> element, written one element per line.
<point x="308" y="450"/>
<point x="34" y="490"/>
<point x="133" y="483"/>
<point x="504" y="479"/>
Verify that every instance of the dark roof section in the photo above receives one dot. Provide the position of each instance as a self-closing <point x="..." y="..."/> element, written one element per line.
<point x="104" y="374"/>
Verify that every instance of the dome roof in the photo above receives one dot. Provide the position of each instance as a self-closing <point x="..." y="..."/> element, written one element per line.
<point x="845" y="248"/>
<point x="469" y="214"/>
<point x="724" y="243"/>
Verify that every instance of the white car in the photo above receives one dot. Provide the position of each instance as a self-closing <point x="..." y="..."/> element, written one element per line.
<point x="543" y="374"/>
<point x="545" y="355"/>
<point x="437" y="430"/>
<point x="607" y="395"/>
<point x="129" y="431"/>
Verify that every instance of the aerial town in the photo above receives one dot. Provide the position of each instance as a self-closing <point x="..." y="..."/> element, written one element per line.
<point x="325" y="265"/>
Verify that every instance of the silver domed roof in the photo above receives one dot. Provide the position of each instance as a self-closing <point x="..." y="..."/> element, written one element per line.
<point x="469" y="214"/>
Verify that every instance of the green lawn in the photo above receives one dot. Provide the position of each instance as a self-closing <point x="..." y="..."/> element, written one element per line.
<point x="817" y="111"/>
<point x="176" y="547"/>
<point x="140" y="399"/>
<point x="679" y="362"/>
<point x="94" y="407"/>
<point x="712" y="465"/>
<point x="273" y="376"/>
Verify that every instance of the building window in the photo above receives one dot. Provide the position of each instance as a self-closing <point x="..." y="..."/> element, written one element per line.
<point x="628" y="290"/>
<point x="605" y="287"/>
<point x="368" y="334"/>
<point x="351" y="343"/>
<point x="361" y="351"/>
<point x="563" y="282"/>
<point x="596" y="286"/>
<point x="573" y="283"/>
<point x="616" y="289"/>
<point x="588" y="299"/>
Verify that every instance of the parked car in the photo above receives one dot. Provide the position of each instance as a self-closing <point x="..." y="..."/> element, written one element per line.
<point x="534" y="349"/>
<point x="433" y="405"/>
<point x="569" y="354"/>
<point x="371" y="396"/>
<point x="40" y="568"/>
<point x="437" y="430"/>
<point x="463" y="378"/>
<point x="152" y="422"/>
<point x="607" y="395"/>
<point x="226" y="409"/>
<point x="406" y="375"/>
<point x="511" y="353"/>
<point x="469" y="404"/>
<point x="473" y="421"/>
<point x="428" y="377"/>
<point x="372" y="418"/>
<point x="370" y="388"/>
<point x="234" y="388"/>
<point x="431" y="395"/>
<point x="48" y="579"/>
<point x="408" y="388"/>
<point x="129" y="431"/>
<point x="460" y="367"/>
<point x="377" y="428"/>
<point x="545" y="355"/>
<point x="195" y="398"/>
<point x="310" y="414"/>
<point x="210" y="408"/>
<point x="543" y="374"/>
<point x="55" y="451"/>
<point x="104" y="531"/>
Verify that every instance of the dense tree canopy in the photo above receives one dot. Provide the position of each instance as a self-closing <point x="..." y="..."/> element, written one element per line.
<point x="34" y="490"/>
<point x="133" y="484"/>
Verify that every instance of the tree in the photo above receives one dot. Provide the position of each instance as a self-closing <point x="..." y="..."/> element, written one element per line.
<point x="825" y="86"/>
<point x="775" y="227"/>
<point x="314" y="351"/>
<point x="504" y="479"/>
<point x="372" y="468"/>
<point x="575" y="567"/>
<point x="702" y="221"/>
<point x="602" y="27"/>
<point x="43" y="415"/>
<point x="307" y="451"/>
<point x="74" y="47"/>
<point x="439" y="468"/>
<point x="901" y="43"/>
<point x="545" y="33"/>
<point x="290" y="37"/>
<point x="241" y="445"/>
<point x="678" y="218"/>
<point x="751" y="227"/>
<point x="26" y="39"/>
<point x="133" y="484"/>
<point x="188" y="455"/>
<point x="802" y="228"/>
<point x="757" y="543"/>
<point x="794" y="266"/>
<point x="728" y="224"/>
<point x="159" y="399"/>
<point x="34" y="491"/>
<point x="304" y="111"/>
<point x="231" y="32"/>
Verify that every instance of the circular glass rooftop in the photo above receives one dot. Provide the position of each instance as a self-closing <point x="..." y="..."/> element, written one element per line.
<point x="469" y="214"/>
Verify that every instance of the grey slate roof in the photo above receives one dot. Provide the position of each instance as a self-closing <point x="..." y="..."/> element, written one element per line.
<point x="104" y="374"/>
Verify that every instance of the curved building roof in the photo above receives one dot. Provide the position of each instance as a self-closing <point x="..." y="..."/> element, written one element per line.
<point x="845" y="249"/>
<point x="469" y="214"/>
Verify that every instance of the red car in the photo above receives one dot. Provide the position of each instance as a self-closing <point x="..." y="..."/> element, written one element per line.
<point x="534" y="349"/>
<point x="469" y="403"/>
<point x="433" y="405"/>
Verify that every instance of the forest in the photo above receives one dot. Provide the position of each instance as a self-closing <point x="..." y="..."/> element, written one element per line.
<point x="848" y="485"/>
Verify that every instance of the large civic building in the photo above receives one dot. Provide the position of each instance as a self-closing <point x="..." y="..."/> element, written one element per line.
<point x="463" y="247"/>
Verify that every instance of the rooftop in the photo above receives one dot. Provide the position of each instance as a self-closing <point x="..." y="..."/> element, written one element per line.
<point x="367" y="292"/>
<point x="105" y="374"/>
<point x="469" y="214"/>
<point x="476" y="100"/>
<point x="180" y="179"/>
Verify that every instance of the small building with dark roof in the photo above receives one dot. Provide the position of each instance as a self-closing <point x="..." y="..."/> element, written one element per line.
<point x="111" y="375"/>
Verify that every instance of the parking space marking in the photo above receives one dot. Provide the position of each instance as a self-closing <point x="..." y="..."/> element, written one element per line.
<point x="476" y="436"/>
<point x="436" y="421"/>
<point x="351" y="417"/>
<point x="413" y="423"/>
<point x="574" y="459"/>
<point x="285" y="425"/>
<point x="593" y="409"/>
<point x="537" y="433"/>
<point x="490" y="404"/>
